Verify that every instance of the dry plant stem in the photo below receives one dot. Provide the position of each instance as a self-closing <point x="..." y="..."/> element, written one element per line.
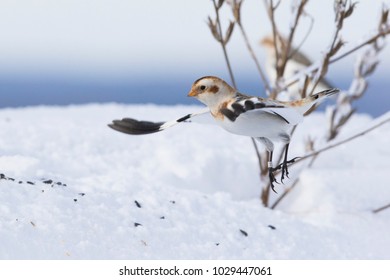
<point x="251" y="52"/>
<point x="381" y="208"/>
<point x="313" y="69"/>
<point x="285" y="55"/>
<point x="223" y="45"/>
<point x="367" y="42"/>
<point x="270" y="7"/>
<point x="314" y="156"/>
<point x="271" y="14"/>
<point x="326" y="61"/>
<point x="258" y="155"/>
<point x="341" y="142"/>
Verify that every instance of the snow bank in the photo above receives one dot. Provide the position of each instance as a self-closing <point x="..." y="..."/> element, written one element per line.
<point x="83" y="191"/>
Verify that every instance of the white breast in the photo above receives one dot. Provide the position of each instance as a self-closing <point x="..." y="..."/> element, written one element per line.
<point x="258" y="124"/>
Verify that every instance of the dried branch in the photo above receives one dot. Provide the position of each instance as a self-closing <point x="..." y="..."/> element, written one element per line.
<point x="236" y="8"/>
<point x="334" y="145"/>
<point x="287" y="48"/>
<point x="341" y="13"/>
<point x="313" y="156"/>
<point x="271" y="14"/>
<point x="381" y="208"/>
<point x="365" y="66"/>
<point x="314" y="68"/>
<point x="216" y="30"/>
<point x="259" y="157"/>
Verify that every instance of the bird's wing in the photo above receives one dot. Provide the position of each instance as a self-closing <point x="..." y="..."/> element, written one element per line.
<point x="136" y="127"/>
<point x="255" y="105"/>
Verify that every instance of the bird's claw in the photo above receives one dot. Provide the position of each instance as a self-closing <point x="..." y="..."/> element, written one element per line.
<point x="272" y="178"/>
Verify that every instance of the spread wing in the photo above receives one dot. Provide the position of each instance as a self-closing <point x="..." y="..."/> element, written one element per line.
<point x="136" y="127"/>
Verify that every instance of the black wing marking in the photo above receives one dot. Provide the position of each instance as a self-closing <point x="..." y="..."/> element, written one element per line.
<point x="231" y="115"/>
<point x="283" y="118"/>
<point x="135" y="127"/>
<point x="239" y="107"/>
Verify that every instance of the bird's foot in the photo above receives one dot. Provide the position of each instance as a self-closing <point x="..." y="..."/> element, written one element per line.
<point x="272" y="178"/>
<point x="284" y="167"/>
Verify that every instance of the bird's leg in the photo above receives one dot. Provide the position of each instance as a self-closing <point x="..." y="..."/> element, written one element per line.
<point x="271" y="172"/>
<point x="284" y="164"/>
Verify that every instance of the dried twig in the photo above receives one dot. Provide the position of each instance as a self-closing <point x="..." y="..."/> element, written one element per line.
<point x="366" y="65"/>
<point x="315" y="154"/>
<point x="333" y="145"/>
<point x="236" y="8"/>
<point x="340" y="114"/>
<point x="342" y="11"/>
<point x="314" y="68"/>
<point x="216" y="30"/>
<point x="381" y="208"/>
<point x="287" y="49"/>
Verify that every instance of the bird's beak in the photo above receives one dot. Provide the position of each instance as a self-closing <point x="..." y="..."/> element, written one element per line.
<point x="192" y="93"/>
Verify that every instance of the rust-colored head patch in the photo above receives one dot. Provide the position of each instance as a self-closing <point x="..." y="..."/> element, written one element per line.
<point x="214" y="89"/>
<point x="267" y="41"/>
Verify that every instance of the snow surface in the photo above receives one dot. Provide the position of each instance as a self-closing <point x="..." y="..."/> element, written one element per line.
<point x="191" y="192"/>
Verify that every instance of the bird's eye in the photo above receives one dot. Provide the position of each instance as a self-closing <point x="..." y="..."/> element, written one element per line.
<point x="202" y="87"/>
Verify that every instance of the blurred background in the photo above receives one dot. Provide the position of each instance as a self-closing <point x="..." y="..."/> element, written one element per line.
<point x="87" y="51"/>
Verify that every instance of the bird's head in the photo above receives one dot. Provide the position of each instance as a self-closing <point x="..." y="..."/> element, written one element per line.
<point x="211" y="91"/>
<point x="268" y="43"/>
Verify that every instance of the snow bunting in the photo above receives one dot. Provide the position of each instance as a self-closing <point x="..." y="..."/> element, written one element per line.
<point x="265" y="120"/>
<point x="297" y="62"/>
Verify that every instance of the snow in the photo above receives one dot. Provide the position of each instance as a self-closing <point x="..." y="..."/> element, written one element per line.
<point x="190" y="192"/>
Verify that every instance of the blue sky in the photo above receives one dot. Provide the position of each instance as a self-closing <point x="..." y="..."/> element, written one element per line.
<point x="118" y="42"/>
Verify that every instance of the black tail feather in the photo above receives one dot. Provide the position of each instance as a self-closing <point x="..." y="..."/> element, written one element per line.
<point x="135" y="127"/>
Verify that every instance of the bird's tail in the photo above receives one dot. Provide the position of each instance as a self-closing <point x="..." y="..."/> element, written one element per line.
<point x="305" y="105"/>
<point x="323" y="94"/>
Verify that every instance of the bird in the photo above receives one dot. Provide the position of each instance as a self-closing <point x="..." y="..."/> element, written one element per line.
<point x="266" y="120"/>
<point x="297" y="62"/>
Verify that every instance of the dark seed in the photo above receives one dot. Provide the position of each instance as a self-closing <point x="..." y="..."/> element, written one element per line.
<point x="271" y="227"/>
<point x="244" y="232"/>
<point x="172" y="201"/>
<point x="216" y="244"/>
<point x="75" y="200"/>
<point x="31" y="183"/>
<point x="137" y="224"/>
<point x="137" y="203"/>
<point x="82" y="194"/>
<point x="48" y="182"/>
<point x="162" y="217"/>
